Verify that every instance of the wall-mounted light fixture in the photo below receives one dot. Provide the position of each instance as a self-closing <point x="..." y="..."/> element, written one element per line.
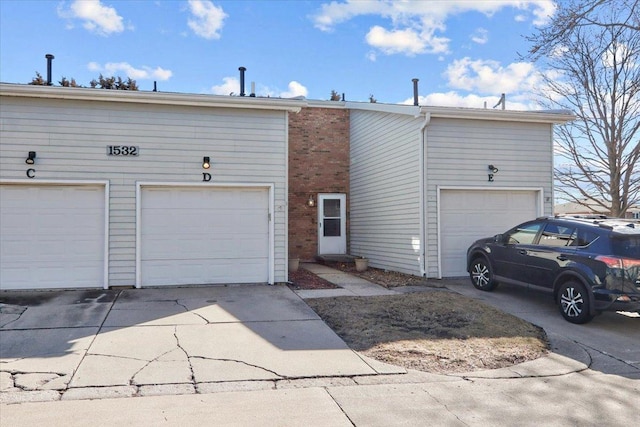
<point x="311" y="202"/>
<point x="206" y="164"/>
<point x="492" y="170"/>
<point x="31" y="159"/>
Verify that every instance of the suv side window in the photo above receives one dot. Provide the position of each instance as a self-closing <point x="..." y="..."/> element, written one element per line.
<point x="626" y="246"/>
<point x="557" y="235"/>
<point x="524" y="234"/>
<point x="582" y="237"/>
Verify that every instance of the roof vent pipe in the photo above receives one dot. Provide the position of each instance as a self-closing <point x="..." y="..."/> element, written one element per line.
<point x="49" y="60"/>
<point x="242" y="70"/>
<point x="415" y="91"/>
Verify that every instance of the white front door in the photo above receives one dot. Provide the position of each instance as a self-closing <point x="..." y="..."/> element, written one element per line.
<point x="332" y="227"/>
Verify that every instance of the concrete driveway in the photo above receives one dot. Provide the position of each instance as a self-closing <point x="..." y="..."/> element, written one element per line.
<point x="97" y="343"/>
<point x="257" y="355"/>
<point x="611" y="341"/>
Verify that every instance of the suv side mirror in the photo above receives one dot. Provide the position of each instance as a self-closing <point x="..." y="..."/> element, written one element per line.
<point x="498" y="238"/>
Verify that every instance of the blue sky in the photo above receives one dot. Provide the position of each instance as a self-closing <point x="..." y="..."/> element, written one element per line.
<point x="464" y="53"/>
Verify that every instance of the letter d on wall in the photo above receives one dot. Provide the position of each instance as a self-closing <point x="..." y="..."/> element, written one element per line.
<point x="206" y="177"/>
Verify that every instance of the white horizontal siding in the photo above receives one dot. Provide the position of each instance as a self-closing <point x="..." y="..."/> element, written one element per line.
<point x="459" y="151"/>
<point x="70" y="138"/>
<point x="385" y="190"/>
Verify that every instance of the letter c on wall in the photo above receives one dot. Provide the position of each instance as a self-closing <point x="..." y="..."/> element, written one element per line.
<point x="31" y="173"/>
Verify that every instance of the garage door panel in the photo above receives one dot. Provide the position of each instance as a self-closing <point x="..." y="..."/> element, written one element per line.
<point x="52" y="236"/>
<point x="193" y="271"/>
<point x="467" y="215"/>
<point x="204" y="235"/>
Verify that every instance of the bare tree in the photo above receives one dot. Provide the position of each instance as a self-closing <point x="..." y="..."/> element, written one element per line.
<point x="584" y="13"/>
<point x="591" y="53"/>
<point x="68" y="83"/>
<point x="38" y="80"/>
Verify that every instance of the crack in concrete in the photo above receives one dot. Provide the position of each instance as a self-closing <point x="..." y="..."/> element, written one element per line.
<point x="604" y="353"/>
<point x="155" y="359"/>
<point x="242" y="362"/>
<point x="192" y="312"/>
<point x="15" y="382"/>
<point x="116" y="357"/>
<point x="75" y="371"/>
<point x="193" y="375"/>
<point x="12" y="309"/>
<point x="339" y="406"/>
<point x="446" y="407"/>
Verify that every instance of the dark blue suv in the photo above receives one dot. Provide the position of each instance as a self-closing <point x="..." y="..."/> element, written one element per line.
<point x="589" y="264"/>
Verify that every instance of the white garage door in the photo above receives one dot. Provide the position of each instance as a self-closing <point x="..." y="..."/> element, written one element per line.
<point x="204" y="235"/>
<point x="52" y="236"/>
<point x="468" y="215"/>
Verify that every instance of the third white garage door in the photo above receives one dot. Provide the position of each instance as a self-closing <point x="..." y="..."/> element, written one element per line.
<point x="467" y="215"/>
<point x="203" y="235"/>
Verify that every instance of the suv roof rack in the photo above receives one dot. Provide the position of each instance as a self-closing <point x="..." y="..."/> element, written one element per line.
<point x="584" y="216"/>
<point x="611" y="223"/>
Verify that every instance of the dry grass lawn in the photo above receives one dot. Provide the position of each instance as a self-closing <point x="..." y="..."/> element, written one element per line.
<point x="435" y="331"/>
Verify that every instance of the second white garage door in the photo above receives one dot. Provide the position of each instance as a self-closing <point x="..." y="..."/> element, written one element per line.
<point x="468" y="215"/>
<point x="203" y="235"/>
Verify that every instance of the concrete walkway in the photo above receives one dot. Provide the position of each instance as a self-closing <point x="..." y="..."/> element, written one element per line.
<point x="349" y="285"/>
<point x="258" y="355"/>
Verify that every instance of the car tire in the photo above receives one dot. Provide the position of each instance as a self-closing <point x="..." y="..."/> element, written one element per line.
<point x="481" y="274"/>
<point x="574" y="302"/>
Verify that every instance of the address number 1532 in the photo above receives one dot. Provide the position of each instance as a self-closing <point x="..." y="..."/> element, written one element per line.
<point x="122" y="150"/>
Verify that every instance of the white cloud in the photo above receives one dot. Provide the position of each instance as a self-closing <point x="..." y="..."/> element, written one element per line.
<point x="480" y="36"/>
<point x="97" y="18"/>
<point x="406" y="41"/>
<point x="144" y="73"/>
<point x="543" y="12"/>
<point x="520" y="18"/>
<point x="487" y="76"/>
<point x="414" y="25"/>
<point x="231" y="86"/>
<point x="480" y="83"/>
<point x="207" y="19"/>
<point x="295" y="89"/>
<point x="455" y="99"/>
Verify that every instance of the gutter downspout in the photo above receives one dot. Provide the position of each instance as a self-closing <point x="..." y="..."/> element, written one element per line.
<point x="423" y="188"/>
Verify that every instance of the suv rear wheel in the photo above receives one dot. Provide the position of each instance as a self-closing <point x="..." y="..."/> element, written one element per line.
<point x="574" y="303"/>
<point x="481" y="275"/>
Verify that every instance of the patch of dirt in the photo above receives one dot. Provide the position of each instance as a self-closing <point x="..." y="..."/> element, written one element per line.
<point x="436" y="331"/>
<point x="304" y="279"/>
<point x="386" y="278"/>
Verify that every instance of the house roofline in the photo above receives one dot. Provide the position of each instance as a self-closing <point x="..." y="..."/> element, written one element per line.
<point x="538" y="116"/>
<point x="282" y="104"/>
<point x="541" y="116"/>
<point x="146" y="97"/>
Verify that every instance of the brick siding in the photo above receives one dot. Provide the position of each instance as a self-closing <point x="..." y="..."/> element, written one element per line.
<point x="318" y="163"/>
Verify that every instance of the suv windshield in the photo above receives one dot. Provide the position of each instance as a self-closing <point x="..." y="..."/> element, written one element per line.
<point x="626" y="246"/>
